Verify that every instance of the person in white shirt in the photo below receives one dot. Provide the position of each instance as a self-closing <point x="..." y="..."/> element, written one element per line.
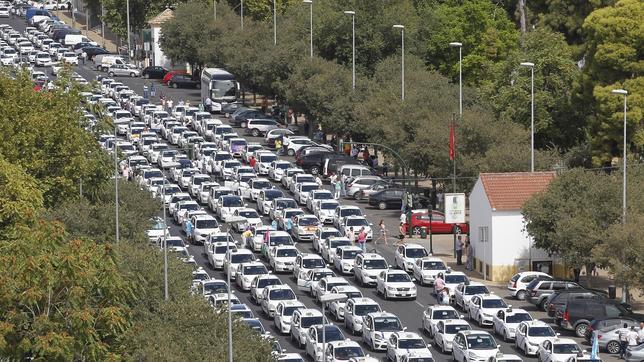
<point x="632" y="337"/>
<point x="623" y="340"/>
<point x="640" y="333"/>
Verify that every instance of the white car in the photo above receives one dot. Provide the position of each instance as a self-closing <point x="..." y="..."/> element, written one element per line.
<point x="530" y="335"/>
<point x="301" y="321"/>
<point x="519" y="282"/>
<point x="216" y="253"/>
<point x="247" y="272"/>
<point x="436" y="313"/>
<point x="453" y="279"/>
<point x="329" y="248"/>
<point x="343" y="211"/>
<point x="264" y="161"/>
<point x="272" y="295"/>
<point x="250" y="217"/>
<point x="505" y="322"/>
<point x="235" y="257"/>
<point x="258" y="285"/>
<point x="322" y="234"/>
<point x="277" y="170"/>
<point x="336" y="308"/>
<point x="226" y="206"/>
<point x="70" y="58"/>
<point x="402" y="343"/>
<point x="347" y="350"/>
<point x="325" y="285"/>
<point x="345" y="257"/>
<point x="265" y="200"/>
<point x="419" y="355"/>
<point x="204" y="191"/>
<point x="316" y="196"/>
<point x="209" y="287"/>
<point x="367" y="267"/>
<point x="354" y="311"/>
<point x="279" y="205"/>
<point x="426" y="269"/>
<point x="324" y="210"/>
<point x="282" y="257"/>
<point x="202" y="227"/>
<point x="220" y="300"/>
<point x="318" y="334"/>
<point x="256" y="186"/>
<point x="378" y="327"/>
<point x="395" y="284"/>
<point x="558" y="350"/>
<point x="303" y="263"/>
<point x="445" y="332"/>
<point x="406" y="255"/>
<point x="464" y="292"/>
<point x="473" y="346"/>
<point x="312" y="277"/>
<point x="302" y="191"/>
<point x="284" y="314"/>
<point x="483" y="307"/>
<point x="256" y="242"/>
<point x="355" y="224"/>
<point x="305" y="227"/>
<point x="289" y="174"/>
<point x="195" y="181"/>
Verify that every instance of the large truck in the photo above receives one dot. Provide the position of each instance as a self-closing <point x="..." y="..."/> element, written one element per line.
<point x="220" y="86"/>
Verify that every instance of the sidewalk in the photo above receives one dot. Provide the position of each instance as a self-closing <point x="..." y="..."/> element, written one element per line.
<point x="94" y="36"/>
<point x="443" y="248"/>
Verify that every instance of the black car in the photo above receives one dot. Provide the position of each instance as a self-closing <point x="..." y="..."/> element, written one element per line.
<point x="557" y="302"/>
<point x="154" y="72"/>
<point x="183" y="81"/>
<point x="313" y="162"/>
<point x="580" y="312"/>
<point x="387" y="199"/>
<point x="83" y="45"/>
<point x="93" y="51"/>
<point x="331" y="162"/>
<point x="239" y="120"/>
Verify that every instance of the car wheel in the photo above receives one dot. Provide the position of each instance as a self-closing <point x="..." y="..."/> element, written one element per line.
<point x="291" y="152"/>
<point x="580" y="329"/>
<point x="543" y="305"/>
<point x="382" y="205"/>
<point x="315" y="170"/>
<point x="146" y="76"/>
<point x="174" y="85"/>
<point x="386" y="295"/>
<point x="612" y="347"/>
<point x="242" y="125"/>
<point x="521" y="295"/>
<point x="417" y="230"/>
<point x="359" y="196"/>
<point x="132" y="74"/>
<point x="111" y="74"/>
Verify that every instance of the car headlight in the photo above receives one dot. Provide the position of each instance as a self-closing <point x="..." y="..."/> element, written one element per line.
<point x="472" y="355"/>
<point x="486" y="315"/>
<point x="533" y="344"/>
<point x="390" y="288"/>
<point x="413" y="288"/>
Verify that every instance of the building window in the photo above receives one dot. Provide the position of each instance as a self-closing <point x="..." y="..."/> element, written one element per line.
<point x="483" y="234"/>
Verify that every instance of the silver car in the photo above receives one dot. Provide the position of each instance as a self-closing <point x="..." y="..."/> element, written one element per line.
<point x="360" y="183"/>
<point x="635" y="353"/>
<point x="123" y="70"/>
<point x="260" y="126"/>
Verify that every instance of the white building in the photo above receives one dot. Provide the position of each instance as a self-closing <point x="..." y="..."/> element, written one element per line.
<point x="157" y="56"/>
<point x="497" y="228"/>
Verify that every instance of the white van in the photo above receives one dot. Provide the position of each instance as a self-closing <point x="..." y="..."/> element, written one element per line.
<point x="104" y="62"/>
<point x="73" y="39"/>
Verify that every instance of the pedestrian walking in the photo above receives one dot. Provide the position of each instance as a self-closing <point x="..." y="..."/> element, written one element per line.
<point x="401" y="234"/>
<point x="208" y="104"/>
<point x="459" y="251"/>
<point x="343" y="180"/>
<point x="318" y="180"/>
<point x="623" y="340"/>
<point x="439" y="284"/>
<point x="274" y="224"/>
<point x="383" y="233"/>
<point x="338" y="189"/>
<point x="403" y="218"/>
<point x="264" y="105"/>
<point x="188" y="228"/>
<point x="247" y="236"/>
<point x="362" y="239"/>
<point x="443" y="297"/>
<point x="169" y="103"/>
<point x="252" y="162"/>
<point x="632" y="337"/>
<point x="470" y="256"/>
<point x="351" y="236"/>
<point x="126" y="173"/>
<point x="288" y="224"/>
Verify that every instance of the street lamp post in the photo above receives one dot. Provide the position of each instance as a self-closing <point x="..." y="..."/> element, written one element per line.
<point x="129" y="44"/>
<point x="165" y="248"/>
<point x="274" y="23"/>
<point x="214" y="9"/>
<point x="353" y="43"/>
<point x="531" y="66"/>
<point x="241" y="13"/>
<point x="460" y="75"/>
<point x="402" y="61"/>
<point x="116" y="185"/>
<point x="328" y="298"/>
<point x="624" y="93"/>
<point x="310" y="2"/>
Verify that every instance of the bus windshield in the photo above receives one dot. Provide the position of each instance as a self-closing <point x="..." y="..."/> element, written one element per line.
<point x="223" y="89"/>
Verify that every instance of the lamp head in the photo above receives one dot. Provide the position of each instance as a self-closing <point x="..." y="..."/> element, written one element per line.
<point x="350" y="12"/>
<point x="398" y="26"/>
<point x="527" y="64"/>
<point x="307" y="1"/>
<point x="619" y="91"/>
<point x="455" y="44"/>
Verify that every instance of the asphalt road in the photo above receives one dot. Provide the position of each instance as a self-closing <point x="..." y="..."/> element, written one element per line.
<point x="409" y="312"/>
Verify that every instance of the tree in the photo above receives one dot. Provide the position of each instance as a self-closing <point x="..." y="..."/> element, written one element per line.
<point x="20" y="198"/>
<point x="140" y="12"/>
<point x="570" y="218"/>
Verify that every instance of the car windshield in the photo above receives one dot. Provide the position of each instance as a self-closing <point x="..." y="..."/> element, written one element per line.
<point x="305" y="178"/>
<point x="323" y="196"/>
<point x="433" y="265"/>
<point x="416" y="252"/>
<point x="398" y="278"/>
<point x="481" y="342"/>
<point x="255" y="270"/>
<point x="286" y="204"/>
<point x="176" y="199"/>
<point x="445" y="314"/>
<point x="387" y="324"/>
<point x="174" y="242"/>
<point x="518" y="318"/>
<point x="307" y="188"/>
<point x="351" y="212"/>
<point x="263" y="283"/>
<point x="242" y="313"/>
<point x="353" y="294"/>
<point x="272" y="194"/>
<point x="313" y="263"/>
<point x="308" y="221"/>
<point x="189" y="207"/>
<point x="281" y="240"/>
<point x="288" y="311"/>
<point x="544" y="331"/>
<point x="328" y="206"/>
<point x="260" y="185"/>
<point x="494" y="303"/>
<point x="411" y="343"/>
<point x="476" y="289"/>
<point x="345" y="353"/>
<point x="255" y="325"/>
<point x="357" y="222"/>
<point x="339" y="242"/>
<point x="350" y="254"/>
<point x="200" y="180"/>
<point x="287" y="253"/>
<point x="282" y="166"/>
<point x="282" y="294"/>
<point x="289" y="214"/>
<point x="331" y="334"/>
<point x="375" y="264"/>
<point x="329" y="234"/>
<point x="215" y="288"/>
<point x="267" y="158"/>
<point x="222" y="249"/>
<point x="249" y="214"/>
<point x="245" y="177"/>
<point x="565" y="348"/>
<point x="455" y="279"/>
<point x="365" y="309"/>
<point x="207" y="224"/>
<point x="318" y="276"/>
<point x="309" y="321"/>
<point x="455" y="328"/>
<point x="231" y="164"/>
<point x="242" y="258"/>
<point x="233" y="202"/>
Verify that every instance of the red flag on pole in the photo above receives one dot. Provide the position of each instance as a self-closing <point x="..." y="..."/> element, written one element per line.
<point x="452" y="142"/>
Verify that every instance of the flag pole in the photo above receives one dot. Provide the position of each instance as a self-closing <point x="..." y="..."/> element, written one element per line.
<point x="453" y="150"/>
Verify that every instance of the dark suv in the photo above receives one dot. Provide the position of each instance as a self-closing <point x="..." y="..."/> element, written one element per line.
<point x="387" y="199"/>
<point x="313" y="162"/>
<point x="538" y="291"/>
<point x="556" y="302"/>
<point x="580" y="312"/>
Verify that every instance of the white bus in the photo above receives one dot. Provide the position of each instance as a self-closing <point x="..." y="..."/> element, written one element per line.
<point x="220" y="86"/>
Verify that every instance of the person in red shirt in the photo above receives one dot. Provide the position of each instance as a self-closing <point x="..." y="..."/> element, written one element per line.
<point x="252" y="161"/>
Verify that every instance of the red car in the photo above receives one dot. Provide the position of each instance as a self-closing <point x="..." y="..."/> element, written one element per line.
<point x="438" y="226"/>
<point x="170" y="74"/>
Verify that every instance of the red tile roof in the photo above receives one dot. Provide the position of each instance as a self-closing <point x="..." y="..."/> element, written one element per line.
<point x="509" y="191"/>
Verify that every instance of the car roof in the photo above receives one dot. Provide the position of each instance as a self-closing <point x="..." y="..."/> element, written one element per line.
<point x="372" y="256"/>
<point x="363" y="300"/>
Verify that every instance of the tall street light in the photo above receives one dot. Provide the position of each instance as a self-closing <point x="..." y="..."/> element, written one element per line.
<point x="165" y="247"/>
<point x="116" y="185"/>
<point x="241" y="13"/>
<point x="531" y="66"/>
<point x="310" y="2"/>
<point x="460" y="75"/>
<point x="129" y="44"/>
<point x="402" y="61"/>
<point x="353" y="42"/>
<point x="274" y="23"/>
<point x="623" y="92"/>
<point x="324" y="300"/>
<point x="214" y="7"/>
<point x="230" y="315"/>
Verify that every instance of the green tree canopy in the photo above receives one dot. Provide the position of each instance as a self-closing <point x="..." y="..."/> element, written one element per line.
<point x="20" y="198"/>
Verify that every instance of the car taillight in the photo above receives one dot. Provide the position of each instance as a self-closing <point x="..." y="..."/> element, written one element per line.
<point x="514" y="285"/>
<point x="566" y="315"/>
<point x="532" y="292"/>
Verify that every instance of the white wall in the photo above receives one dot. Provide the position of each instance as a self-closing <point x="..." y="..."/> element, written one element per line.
<point x="159" y="57"/>
<point x="510" y="241"/>
<point x="480" y="216"/>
